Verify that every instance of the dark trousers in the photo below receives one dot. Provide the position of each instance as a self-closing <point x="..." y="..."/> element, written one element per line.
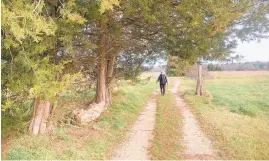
<point x="162" y="86"/>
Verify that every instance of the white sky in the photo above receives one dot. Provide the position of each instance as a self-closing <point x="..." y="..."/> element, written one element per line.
<point x="254" y="51"/>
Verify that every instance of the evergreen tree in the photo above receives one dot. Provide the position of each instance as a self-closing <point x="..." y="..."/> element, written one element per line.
<point x="32" y="34"/>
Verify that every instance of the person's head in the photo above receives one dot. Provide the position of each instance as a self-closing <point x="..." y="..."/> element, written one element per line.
<point x="162" y="72"/>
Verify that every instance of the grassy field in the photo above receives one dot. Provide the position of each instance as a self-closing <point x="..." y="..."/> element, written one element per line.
<point x="235" y="112"/>
<point x="168" y="133"/>
<point x="241" y="93"/>
<point x="94" y="141"/>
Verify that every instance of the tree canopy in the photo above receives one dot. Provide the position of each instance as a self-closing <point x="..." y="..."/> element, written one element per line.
<point x="46" y="45"/>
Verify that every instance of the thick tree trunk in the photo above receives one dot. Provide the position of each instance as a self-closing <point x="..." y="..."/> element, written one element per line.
<point x="103" y="96"/>
<point x="199" y="85"/>
<point x="103" y="93"/>
<point x="101" y="80"/>
<point x="39" y="122"/>
<point x="110" y="71"/>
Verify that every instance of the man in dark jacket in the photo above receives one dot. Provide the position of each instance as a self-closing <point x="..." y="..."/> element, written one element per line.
<point x="163" y="80"/>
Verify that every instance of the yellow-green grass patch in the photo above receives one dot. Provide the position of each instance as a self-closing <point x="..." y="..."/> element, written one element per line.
<point x="168" y="135"/>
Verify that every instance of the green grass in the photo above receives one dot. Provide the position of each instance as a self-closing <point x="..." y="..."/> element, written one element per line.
<point x="38" y="149"/>
<point x="245" y="95"/>
<point x="93" y="141"/>
<point x="234" y="116"/>
<point x="168" y="132"/>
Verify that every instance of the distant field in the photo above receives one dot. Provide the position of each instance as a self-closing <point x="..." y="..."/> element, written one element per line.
<point x="239" y="73"/>
<point x="235" y="112"/>
<point x="241" y="92"/>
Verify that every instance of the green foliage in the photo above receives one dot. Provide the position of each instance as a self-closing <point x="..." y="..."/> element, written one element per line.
<point x="34" y="34"/>
<point x="107" y="5"/>
<point x="212" y="67"/>
<point x="203" y="29"/>
<point x="16" y="120"/>
<point x="70" y="96"/>
<point x="171" y="72"/>
<point x="29" y="45"/>
<point x="177" y="66"/>
<point x="20" y="23"/>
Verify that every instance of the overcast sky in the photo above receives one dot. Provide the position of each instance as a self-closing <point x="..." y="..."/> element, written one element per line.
<point x="254" y="51"/>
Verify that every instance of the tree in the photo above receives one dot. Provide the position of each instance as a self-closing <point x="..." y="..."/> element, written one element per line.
<point x="31" y="37"/>
<point x="177" y="67"/>
<point x="216" y="29"/>
<point x="238" y="58"/>
<point x="129" y="28"/>
<point x="45" y="43"/>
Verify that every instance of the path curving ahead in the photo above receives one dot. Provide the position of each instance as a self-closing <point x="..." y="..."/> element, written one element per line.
<point x="140" y="136"/>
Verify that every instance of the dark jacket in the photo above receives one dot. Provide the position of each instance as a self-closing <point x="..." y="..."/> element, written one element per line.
<point x="162" y="78"/>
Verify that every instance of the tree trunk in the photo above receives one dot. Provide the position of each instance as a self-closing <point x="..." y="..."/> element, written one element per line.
<point x="42" y="112"/>
<point x="110" y="67"/>
<point x="101" y="80"/>
<point x="105" y="65"/>
<point x="109" y="77"/>
<point x="199" y="91"/>
<point x="103" y="93"/>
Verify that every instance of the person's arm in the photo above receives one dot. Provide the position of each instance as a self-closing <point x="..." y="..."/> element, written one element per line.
<point x="158" y="79"/>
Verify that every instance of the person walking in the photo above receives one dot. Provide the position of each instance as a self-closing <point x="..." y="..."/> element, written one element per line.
<point x="163" y="81"/>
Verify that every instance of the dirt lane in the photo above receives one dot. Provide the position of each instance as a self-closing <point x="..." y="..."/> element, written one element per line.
<point x="138" y="142"/>
<point x="196" y="144"/>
